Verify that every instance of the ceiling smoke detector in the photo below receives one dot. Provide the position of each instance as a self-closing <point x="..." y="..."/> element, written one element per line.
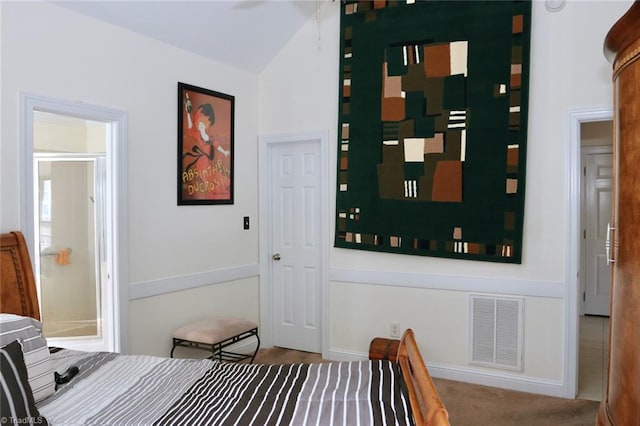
<point x="555" y="5"/>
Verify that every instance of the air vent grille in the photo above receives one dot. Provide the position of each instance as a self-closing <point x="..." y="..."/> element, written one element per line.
<point x="496" y="331"/>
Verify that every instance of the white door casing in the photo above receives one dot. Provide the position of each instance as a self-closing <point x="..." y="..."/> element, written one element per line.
<point x="573" y="237"/>
<point x="116" y="213"/>
<point x="598" y="166"/>
<point x="294" y="229"/>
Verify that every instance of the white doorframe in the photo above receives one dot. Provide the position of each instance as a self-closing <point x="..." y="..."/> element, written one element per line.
<point x="572" y="224"/>
<point x="117" y="213"/>
<point x="265" y="145"/>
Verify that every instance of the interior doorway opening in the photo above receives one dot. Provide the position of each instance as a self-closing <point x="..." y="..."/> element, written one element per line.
<point x="74" y="218"/>
<point x="596" y="166"/>
<point x="71" y="267"/>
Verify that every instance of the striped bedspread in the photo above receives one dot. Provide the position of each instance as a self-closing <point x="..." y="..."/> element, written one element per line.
<point x="113" y="389"/>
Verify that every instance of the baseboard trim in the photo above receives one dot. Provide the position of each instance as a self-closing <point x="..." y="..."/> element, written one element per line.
<point x="345" y="355"/>
<point x="497" y="380"/>
<point x="144" y="289"/>
<point x="506" y="286"/>
<point x="478" y="377"/>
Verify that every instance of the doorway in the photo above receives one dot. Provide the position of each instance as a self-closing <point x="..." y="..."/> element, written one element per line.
<point x="574" y="308"/>
<point x="597" y="166"/>
<point x="596" y="174"/>
<point x="74" y="219"/>
<point x="294" y="240"/>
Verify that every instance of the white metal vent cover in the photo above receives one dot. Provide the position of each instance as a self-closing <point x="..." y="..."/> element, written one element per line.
<point x="496" y="331"/>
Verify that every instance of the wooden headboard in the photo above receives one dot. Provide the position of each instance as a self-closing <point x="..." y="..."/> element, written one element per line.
<point x="18" y="293"/>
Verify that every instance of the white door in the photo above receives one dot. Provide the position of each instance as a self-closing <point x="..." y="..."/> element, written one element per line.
<point x="296" y="244"/>
<point x="598" y="175"/>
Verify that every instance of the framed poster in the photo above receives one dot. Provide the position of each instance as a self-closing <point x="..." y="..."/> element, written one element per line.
<point x="205" y="146"/>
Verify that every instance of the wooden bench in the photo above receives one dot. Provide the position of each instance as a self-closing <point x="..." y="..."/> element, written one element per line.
<point x="215" y="334"/>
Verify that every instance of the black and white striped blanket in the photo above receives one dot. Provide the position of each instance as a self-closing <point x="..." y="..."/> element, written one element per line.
<point x="113" y="389"/>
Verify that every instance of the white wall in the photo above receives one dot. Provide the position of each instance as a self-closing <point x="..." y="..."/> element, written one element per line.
<point x="50" y="51"/>
<point x="150" y="330"/>
<point x="568" y="71"/>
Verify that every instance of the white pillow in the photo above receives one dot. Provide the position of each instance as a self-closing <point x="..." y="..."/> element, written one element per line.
<point x="36" y="352"/>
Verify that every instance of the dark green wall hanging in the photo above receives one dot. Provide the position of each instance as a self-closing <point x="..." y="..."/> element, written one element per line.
<point x="432" y="128"/>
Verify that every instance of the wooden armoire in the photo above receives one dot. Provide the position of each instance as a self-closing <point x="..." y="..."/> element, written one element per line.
<point x="621" y="403"/>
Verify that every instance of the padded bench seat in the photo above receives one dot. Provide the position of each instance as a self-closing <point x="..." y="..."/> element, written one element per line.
<point x="216" y="333"/>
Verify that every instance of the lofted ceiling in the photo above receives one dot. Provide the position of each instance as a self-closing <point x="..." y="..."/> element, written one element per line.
<point x="246" y="34"/>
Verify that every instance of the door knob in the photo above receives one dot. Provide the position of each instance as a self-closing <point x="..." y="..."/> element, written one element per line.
<point x="276" y="256"/>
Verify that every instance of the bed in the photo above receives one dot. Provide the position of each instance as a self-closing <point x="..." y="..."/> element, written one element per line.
<point x="117" y="389"/>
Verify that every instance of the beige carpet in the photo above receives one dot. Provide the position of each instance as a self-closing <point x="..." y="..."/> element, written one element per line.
<point x="475" y="405"/>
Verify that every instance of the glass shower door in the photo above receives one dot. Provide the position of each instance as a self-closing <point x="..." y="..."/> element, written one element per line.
<point x="68" y="226"/>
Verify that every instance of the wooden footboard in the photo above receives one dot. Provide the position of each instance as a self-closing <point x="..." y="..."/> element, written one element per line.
<point x="428" y="409"/>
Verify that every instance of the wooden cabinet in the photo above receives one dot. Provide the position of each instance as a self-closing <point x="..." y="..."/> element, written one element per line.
<point x="621" y="402"/>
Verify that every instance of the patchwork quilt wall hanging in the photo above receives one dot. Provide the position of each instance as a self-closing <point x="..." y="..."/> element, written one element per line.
<point x="432" y="128"/>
